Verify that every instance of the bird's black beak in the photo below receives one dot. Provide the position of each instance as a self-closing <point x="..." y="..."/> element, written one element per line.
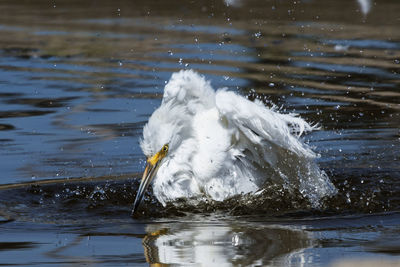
<point x="148" y="176"/>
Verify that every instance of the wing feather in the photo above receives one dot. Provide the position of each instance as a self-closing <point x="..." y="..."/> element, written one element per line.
<point x="259" y="124"/>
<point x="269" y="146"/>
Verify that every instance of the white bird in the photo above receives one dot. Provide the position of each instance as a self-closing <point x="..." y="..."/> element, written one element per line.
<point x="217" y="144"/>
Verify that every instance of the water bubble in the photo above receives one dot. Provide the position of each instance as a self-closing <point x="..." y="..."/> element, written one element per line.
<point x="98" y="194"/>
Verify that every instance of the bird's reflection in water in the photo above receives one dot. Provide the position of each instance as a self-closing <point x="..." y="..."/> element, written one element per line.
<point x="211" y="243"/>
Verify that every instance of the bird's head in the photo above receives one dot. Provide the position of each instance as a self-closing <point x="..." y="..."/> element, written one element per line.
<point x="162" y="135"/>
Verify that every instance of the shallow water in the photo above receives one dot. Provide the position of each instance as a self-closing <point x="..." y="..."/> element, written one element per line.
<point x="78" y="80"/>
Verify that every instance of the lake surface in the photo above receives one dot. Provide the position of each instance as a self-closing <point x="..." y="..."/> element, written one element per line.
<point x="79" y="79"/>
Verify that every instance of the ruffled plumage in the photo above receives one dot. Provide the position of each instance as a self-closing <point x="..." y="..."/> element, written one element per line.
<point x="221" y="144"/>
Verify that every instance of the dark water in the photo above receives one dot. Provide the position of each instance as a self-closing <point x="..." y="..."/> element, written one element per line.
<point x="78" y="80"/>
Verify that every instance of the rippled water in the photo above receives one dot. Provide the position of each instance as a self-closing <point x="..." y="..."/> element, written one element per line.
<point x="78" y="80"/>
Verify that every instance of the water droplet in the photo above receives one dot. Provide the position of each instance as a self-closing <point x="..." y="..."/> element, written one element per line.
<point x="348" y="200"/>
<point x="235" y="240"/>
<point x="257" y="34"/>
<point x="339" y="47"/>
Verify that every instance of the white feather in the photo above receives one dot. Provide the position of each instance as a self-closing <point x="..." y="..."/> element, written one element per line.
<point x="222" y="144"/>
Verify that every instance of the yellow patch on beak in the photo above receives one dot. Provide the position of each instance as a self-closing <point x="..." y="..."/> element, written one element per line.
<point x="158" y="156"/>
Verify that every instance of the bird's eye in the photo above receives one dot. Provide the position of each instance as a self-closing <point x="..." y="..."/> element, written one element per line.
<point x="165" y="148"/>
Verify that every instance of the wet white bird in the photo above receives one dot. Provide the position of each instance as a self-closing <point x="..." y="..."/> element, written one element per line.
<point x="217" y="144"/>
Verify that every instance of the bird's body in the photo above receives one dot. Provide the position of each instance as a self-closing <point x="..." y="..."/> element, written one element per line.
<point x="219" y="144"/>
